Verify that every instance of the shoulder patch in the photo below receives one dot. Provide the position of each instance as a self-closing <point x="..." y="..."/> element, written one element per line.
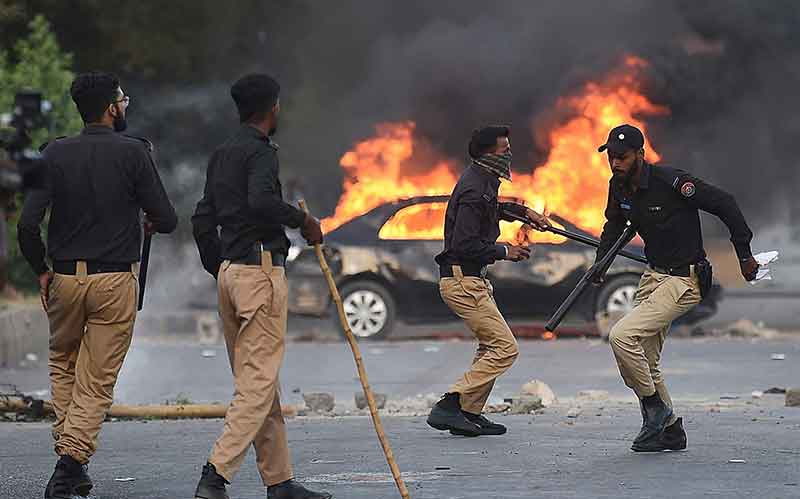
<point x="47" y="143"/>
<point x="147" y="143"/>
<point x="688" y="189"/>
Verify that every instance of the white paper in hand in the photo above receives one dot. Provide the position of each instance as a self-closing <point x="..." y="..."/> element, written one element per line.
<point x="764" y="259"/>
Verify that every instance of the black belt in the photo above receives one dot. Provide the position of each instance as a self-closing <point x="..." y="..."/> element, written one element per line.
<point x="69" y="267"/>
<point x="467" y="270"/>
<point x="682" y="271"/>
<point x="254" y="258"/>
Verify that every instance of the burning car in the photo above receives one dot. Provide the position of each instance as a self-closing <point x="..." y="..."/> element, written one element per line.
<point x="383" y="262"/>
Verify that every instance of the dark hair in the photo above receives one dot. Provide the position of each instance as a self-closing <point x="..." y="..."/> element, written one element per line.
<point x="93" y="92"/>
<point x="255" y="95"/>
<point x="485" y="139"/>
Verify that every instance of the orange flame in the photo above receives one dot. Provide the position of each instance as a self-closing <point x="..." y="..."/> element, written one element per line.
<point x="572" y="182"/>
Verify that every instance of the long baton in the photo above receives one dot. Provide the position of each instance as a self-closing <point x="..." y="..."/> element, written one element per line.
<point x="591" y="241"/>
<point x="362" y="373"/>
<point x="145" y="261"/>
<point x="597" y="269"/>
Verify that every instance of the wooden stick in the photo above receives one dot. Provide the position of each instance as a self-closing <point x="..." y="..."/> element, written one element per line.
<point x="362" y="373"/>
<point x="178" y="411"/>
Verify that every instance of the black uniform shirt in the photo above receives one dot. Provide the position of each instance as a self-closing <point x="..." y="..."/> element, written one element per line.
<point x="242" y="196"/>
<point x="96" y="183"/>
<point x="472" y="220"/>
<point x="664" y="212"/>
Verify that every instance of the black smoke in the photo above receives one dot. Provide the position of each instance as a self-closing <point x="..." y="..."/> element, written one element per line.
<point x="728" y="70"/>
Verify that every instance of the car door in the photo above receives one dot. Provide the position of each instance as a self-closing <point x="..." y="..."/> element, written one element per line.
<point x="410" y="240"/>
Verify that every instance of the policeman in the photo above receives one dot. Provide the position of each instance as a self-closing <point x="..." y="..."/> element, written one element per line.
<point x="471" y="230"/>
<point x="96" y="184"/>
<point x="243" y="196"/>
<point x="662" y="204"/>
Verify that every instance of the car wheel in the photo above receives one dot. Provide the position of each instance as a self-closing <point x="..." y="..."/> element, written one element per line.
<point x="616" y="297"/>
<point x="369" y="308"/>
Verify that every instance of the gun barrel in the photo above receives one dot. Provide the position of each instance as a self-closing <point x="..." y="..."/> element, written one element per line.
<point x="591" y="241"/>
<point x="599" y="268"/>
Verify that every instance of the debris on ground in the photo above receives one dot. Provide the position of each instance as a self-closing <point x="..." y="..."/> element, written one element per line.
<point x="525" y="404"/>
<point x="793" y="397"/>
<point x="538" y="388"/>
<point x="499" y="408"/>
<point x="574" y="412"/>
<point x="775" y="391"/>
<point x="419" y="405"/>
<point x="361" y="400"/>
<point x="778" y="356"/>
<point x="745" y="328"/>
<point x="593" y="395"/>
<point x="319" y="402"/>
<point x="757" y="394"/>
<point x="737" y="461"/>
<point x="208" y="354"/>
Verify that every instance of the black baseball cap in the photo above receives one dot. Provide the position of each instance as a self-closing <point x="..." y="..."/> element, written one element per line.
<point x="622" y="139"/>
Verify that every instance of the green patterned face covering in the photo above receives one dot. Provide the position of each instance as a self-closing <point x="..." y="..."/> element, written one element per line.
<point x="496" y="164"/>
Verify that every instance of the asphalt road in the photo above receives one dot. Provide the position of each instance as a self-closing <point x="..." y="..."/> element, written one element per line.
<point x="546" y="456"/>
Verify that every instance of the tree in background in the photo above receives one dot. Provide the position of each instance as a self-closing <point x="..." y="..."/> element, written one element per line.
<point x="37" y="62"/>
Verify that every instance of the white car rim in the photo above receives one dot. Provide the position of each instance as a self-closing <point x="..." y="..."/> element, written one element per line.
<point x="621" y="300"/>
<point x="366" y="312"/>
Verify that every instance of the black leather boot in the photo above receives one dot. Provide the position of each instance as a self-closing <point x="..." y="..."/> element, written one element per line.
<point x="293" y="490"/>
<point x="69" y="479"/>
<point x="656" y="414"/>
<point x="485" y="426"/>
<point x="446" y="415"/>
<point x="211" y="485"/>
<point x="673" y="438"/>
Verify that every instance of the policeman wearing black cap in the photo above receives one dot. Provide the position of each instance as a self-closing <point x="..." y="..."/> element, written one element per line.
<point x="662" y="204"/>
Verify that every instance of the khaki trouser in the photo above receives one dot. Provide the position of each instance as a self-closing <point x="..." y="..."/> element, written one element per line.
<point x="253" y="304"/>
<point x="91" y="325"/>
<point x="472" y="299"/>
<point x="638" y="338"/>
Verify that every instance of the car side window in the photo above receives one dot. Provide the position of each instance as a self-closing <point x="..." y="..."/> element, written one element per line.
<point x="420" y="222"/>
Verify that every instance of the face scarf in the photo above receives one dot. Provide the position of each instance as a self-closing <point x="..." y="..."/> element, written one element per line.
<point x="496" y="164"/>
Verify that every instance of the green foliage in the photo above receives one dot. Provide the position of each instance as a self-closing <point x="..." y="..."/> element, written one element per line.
<point x="37" y="62"/>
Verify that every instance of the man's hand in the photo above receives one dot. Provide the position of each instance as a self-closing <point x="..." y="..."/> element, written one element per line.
<point x="44" y="288"/>
<point x="538" y="221"/>
<point x="311" y="230"/>
<point x="598" y="279"/>
<point x="517" y="253"/>
<point x="749" y="268"/>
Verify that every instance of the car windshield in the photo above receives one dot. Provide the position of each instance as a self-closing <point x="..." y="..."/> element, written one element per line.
<point x="425" y="222"/>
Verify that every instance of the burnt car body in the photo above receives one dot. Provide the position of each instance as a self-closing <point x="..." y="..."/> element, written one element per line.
<point x="383" y="278"/>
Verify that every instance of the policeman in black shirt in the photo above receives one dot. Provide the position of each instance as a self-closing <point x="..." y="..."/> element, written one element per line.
<point x="243" y="198"/>
<point x="471" y="229"/>
<point x="662" y="204"/>
<point x="97" y="182"/>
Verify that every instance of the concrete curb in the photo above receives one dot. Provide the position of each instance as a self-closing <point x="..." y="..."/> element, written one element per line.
<point x="23" y="330"/>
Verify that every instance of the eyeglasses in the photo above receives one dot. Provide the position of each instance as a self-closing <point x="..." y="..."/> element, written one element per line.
<point x="126" y="100"/>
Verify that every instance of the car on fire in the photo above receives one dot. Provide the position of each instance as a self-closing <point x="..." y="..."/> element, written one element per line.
<point x="383" y="263"/>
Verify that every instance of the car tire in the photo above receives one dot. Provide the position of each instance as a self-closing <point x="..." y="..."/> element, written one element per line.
<point x="617" y="294"/>
<point x="370" y="309"/>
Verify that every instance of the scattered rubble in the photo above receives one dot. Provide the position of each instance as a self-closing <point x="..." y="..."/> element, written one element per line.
<point x="413" y="406"/>
<point x="361" y="400"/>
<point x="775" y="391"/>
<point x="757" y="394"/>
<point x="778" y="356"/>
<point x="593" y="395"/>
<point x="525" y="404"/>
<point x="538" y="388"/>
<point x="574" y="412"/>
<point x="745" y="328"/>
<point x="319" y="402"/>
<point x="793" y="397"/>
